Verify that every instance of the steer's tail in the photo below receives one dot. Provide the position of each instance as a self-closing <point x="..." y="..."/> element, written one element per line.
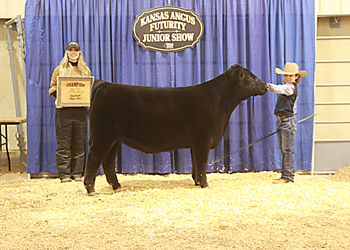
<point x="97" y="83"/>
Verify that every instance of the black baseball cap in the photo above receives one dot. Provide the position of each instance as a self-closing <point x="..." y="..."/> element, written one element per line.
<point x="73" y="45"/>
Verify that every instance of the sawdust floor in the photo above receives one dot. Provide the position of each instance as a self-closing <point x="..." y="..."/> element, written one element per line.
<point x="238" y="211"/>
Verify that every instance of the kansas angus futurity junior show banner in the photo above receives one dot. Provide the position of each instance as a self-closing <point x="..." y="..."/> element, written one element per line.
<point x="167" y="29"/>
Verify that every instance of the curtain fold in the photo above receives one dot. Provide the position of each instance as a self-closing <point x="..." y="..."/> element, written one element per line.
<point x="257" y="35"/>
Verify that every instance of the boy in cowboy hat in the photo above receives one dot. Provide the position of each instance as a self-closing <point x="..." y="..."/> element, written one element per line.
<point x="286" y="122"/>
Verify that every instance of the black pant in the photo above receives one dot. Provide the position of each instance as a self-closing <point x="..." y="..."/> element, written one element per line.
<point x="71" y="126"/>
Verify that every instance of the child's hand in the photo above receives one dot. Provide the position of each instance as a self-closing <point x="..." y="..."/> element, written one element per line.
<point x="268" y="86"/>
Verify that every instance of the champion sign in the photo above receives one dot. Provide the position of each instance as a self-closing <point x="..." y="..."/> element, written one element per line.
<point x="167" y="29"/>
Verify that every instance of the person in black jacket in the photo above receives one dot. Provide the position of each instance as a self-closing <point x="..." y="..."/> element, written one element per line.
<point x="286" y="123"/>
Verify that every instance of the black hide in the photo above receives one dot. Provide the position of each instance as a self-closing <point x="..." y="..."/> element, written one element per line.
<point x="155" y="120"/>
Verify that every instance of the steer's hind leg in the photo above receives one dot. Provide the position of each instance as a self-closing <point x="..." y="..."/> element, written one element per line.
<point x="97" y="153"/>
<point x="109" y="166"/>
<point x="194" y="173"/>
<point x="199" y="166"/>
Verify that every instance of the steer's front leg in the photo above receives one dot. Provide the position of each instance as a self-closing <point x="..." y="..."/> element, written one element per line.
<point x="199" y="166"/>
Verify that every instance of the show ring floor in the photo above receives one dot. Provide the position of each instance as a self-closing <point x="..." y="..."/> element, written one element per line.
<point x="238" y="211"/>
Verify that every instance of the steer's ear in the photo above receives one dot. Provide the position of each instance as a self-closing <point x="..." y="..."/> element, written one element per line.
<point x="235" y="72"/>
<point x="238" y="73"/>
<point x="241" y="73"/>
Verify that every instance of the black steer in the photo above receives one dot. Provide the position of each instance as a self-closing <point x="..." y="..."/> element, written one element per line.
<point x="155" y="120"/>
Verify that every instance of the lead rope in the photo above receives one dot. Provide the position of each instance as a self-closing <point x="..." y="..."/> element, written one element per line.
<point x="251" y="144"/>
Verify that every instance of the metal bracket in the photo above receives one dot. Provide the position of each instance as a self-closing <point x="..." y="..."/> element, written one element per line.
<point x="334" y="22"/>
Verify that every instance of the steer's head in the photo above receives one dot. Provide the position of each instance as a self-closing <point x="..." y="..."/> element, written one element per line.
<point x="248" y="83"/>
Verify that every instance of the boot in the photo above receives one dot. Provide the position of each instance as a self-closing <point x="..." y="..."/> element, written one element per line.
<point x="63" y="166"/>
<point x="78" y="167"/>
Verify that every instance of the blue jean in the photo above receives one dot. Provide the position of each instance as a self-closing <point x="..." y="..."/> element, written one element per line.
<point x="286" y="136"/>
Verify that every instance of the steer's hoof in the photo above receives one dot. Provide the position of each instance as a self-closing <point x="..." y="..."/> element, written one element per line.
<point x="117" y="189"/>
<point x="91" y="194"/>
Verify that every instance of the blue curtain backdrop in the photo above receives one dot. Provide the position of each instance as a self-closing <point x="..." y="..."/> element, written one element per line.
<point x="259" y="35"/>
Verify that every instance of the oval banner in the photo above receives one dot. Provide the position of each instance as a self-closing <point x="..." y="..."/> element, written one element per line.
<point x="167" y="29"/>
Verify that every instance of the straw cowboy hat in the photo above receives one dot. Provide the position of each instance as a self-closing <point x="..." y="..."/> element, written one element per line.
<point x="291" y="69"/>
